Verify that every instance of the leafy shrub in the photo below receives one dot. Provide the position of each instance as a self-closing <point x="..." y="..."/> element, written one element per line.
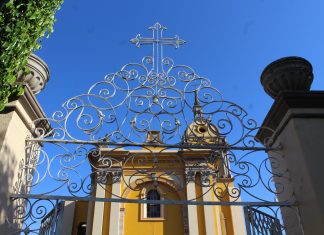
<point x="23" y="23"/>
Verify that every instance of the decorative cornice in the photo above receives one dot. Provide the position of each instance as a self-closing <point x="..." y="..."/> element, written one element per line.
<point x="30" y="105"/>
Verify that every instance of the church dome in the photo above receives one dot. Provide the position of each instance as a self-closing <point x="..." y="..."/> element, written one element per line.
<point x="202" y="131"/>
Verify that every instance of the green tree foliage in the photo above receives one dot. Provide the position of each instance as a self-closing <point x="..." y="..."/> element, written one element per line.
<point x="22" y="25"/>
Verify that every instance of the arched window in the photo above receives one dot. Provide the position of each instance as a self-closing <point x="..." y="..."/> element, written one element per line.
<point x="153" y="210"/>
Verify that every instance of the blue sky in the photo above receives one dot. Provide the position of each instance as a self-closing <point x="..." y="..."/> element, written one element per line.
<point x="229" y="42"/>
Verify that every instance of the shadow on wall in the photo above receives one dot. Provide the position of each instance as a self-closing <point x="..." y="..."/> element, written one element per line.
<point x="7" y="165"/>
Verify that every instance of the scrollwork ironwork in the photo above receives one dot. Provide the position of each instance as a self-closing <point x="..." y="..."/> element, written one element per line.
<point x="155" y="123"/>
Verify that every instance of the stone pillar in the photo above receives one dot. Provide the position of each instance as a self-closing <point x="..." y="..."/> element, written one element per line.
<point x="192" y="209"/>
<point x="208" y="212"/>
<point x="114" y="222"/>
<point x="297" y="117"/>
<point x="15" y="126"/>
<point x="98" y="214"/>
<point x="210" y="226"/>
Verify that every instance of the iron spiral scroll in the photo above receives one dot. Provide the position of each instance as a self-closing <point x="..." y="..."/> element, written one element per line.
<point x="90" y="122"/>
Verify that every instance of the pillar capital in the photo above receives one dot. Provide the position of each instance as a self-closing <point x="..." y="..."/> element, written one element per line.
<point x="116" y="176"/>
<point x="103" y="175"/>
<point x="204" y="172"/>
<point x="190" y="174"/>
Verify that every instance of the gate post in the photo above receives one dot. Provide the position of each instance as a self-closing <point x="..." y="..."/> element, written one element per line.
<point x="297" y="117"/>
<point x="14" y="130"/>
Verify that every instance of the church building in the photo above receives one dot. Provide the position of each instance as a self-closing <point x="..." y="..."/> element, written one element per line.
<point x="171" y="177"/>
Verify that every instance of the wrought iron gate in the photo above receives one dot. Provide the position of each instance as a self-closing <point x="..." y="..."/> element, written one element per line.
<point x="150" y="123"/>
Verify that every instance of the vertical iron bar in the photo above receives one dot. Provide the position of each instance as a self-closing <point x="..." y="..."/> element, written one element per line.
<point x="247" y="220"/>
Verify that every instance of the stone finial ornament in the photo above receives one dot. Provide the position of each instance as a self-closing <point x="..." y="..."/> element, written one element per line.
<point x="39" y="74"/>
<point x="287" y="74"/>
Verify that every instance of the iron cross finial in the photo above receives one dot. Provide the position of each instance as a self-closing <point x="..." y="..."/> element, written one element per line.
<point x="157" y="38"/>
<point x="157" y="42"/>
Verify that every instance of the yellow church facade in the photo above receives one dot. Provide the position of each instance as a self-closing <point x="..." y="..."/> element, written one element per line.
<point x="175" y="178"/>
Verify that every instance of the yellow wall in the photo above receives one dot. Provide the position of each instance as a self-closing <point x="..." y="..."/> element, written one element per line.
<point x="171" y="225"/>
<point x="173" y="222"/>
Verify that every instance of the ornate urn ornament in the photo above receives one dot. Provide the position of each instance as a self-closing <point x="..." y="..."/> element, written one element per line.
<point x="287" y="74"/>
<point x="38" y="76"/>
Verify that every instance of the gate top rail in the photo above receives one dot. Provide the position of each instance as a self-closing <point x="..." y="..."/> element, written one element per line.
<point x="157" y="145"/>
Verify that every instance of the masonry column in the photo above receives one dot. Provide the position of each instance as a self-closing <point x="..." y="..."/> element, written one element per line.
<point x="17" y="122"/>
<point x="192" y="209"/>
<point x="207" y="197"/>
<point x="297" y="117"/>
<point x="98" y="214"/>
<point x="115" y="207"/>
